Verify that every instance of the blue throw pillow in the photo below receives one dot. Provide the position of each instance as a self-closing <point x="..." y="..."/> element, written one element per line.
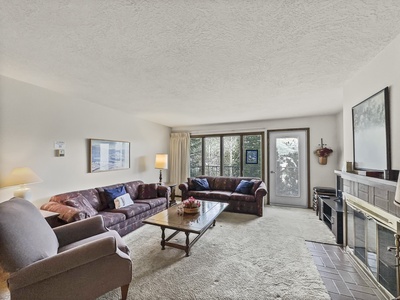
<point x="113" y="193"/>
<point x="201" y="184"/>
<point x="244" y="187"/>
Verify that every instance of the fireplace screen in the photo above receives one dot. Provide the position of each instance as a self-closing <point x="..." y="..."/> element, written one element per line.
<point x="373" y="244"/>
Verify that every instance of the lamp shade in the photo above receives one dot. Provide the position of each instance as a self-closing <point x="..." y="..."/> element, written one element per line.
<point x="161" y="161"/>
<point x="397" y="195"/>
<point x="20" y="176"/>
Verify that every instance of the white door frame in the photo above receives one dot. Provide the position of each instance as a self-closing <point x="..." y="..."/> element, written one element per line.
<point x="307" y="130"/>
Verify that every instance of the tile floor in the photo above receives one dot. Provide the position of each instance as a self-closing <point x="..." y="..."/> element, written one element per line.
<point x="342" y="280"/>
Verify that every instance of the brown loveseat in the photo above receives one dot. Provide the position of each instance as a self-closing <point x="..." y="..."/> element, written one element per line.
<point x="148" y="199"/>
<point x="223" y="189"/>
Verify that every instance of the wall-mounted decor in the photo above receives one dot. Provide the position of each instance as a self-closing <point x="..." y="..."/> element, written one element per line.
<point x="252" y="157"/>
<point x="323" y="152"/>
<point x="371" y="133"/>
<point x="108" y="155"/>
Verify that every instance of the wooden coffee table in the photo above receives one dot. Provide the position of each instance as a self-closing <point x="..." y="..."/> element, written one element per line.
<point x="187" y="223"/>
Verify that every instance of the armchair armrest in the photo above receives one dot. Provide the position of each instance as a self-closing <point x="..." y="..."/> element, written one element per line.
<point x="184" y="187"/>
<point x="60" y="263"/>
<point x="79" y="230"/>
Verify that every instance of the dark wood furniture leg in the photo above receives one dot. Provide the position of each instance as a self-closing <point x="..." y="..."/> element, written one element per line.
<point x="124" y="291"/>
<point x="187" y="248"/>
<point x="162" y="238"/>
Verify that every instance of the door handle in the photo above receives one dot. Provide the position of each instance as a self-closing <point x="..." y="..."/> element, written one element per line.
<point x="272" y="172"/>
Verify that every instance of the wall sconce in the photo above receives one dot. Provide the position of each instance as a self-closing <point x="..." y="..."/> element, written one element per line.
<point x="21" y="177"/>
<point x="161" y="163"/>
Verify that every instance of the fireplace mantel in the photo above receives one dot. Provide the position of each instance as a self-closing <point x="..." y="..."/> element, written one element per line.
<point x="378" y="192"/>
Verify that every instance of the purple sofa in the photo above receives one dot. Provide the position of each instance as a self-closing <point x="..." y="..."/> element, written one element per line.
<point x="222" y="189"/>
<point x="148" y="199"/>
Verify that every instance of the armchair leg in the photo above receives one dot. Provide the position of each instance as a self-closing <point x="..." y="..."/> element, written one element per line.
<point x="124" y="291"/>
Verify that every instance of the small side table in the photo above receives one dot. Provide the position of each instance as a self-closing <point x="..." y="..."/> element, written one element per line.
<point x="51" y="218"/>
<point x="172" y="186"/>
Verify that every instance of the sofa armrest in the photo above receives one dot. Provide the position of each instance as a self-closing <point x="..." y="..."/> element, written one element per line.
<point x="67" y="213"/>
<point x="164" y="191"/>
<point x="82" y="229"/>
<point x="184" y="187"/>
<point x="60" y="263"/>
<point x="261" y="191"/>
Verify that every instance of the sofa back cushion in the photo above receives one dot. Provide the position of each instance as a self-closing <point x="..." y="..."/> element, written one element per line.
<point x="224" y="183"/>
<point x="147" y="191"/>
<point x="132" y="188"/>
<point x="25" y="235"/>
<point x="82" y="204"/>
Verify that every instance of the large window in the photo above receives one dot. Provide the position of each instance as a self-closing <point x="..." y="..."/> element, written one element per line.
<point x="227" y="155"/>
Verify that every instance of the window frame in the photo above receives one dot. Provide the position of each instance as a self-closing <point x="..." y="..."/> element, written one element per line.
<point x="242" y="152"/>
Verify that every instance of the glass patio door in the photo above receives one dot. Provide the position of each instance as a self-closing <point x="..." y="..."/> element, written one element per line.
<point x="288" y="165"/>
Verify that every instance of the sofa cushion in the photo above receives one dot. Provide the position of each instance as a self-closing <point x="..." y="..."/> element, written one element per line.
<point x="111" y="218"/>
<point x="82" y="204"/>
<point x="220" y="195"/>
<point x="153" y="202"/>
<point x="242" y="197"/>
<point x="131" y="210"/>
<point x="201" y="184"/>
<point x="122" y="201"/>
<point x="132" y="188"/>
<point x="223" y="183"/>
<point x="112" y="193"/>
<point x="147" y="191"/>
<point x="200" y="194"/>
<point x="244" y="187"/>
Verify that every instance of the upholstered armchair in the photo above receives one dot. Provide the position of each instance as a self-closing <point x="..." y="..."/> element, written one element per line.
<point x="81" y="260"/>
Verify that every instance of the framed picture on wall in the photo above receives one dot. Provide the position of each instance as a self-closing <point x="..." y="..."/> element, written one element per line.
<point x="106" y="155"/>
<point x="252" y="157"/>
<point x="371" y="133"/>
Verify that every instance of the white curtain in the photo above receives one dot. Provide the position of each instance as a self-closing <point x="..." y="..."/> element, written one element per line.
<point x="179" y="158"/>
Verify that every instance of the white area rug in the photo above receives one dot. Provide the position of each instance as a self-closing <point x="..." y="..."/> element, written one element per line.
<point x="242" y="257"/>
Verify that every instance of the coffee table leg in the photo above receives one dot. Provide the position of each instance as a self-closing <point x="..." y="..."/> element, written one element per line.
<point x="187" y="248"/>
<point x="214" y="223"/>
<point x="162" y="238"/>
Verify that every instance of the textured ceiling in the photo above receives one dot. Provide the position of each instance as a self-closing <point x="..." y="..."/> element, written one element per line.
<point x="194" y="62"/>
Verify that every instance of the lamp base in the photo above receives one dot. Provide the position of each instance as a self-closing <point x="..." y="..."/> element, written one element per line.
<point x="160" y="177"/>
<point x="24" y="193"/>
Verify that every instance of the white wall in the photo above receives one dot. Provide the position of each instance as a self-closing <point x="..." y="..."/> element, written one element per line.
<point x="382" y="71"/>
<point x="33" y="118"/>
<point x="320" y="127"/>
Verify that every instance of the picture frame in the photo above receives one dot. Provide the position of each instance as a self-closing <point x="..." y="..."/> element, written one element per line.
<point x="252" y="157"/>
<point x="371" y="133"/>
<point x="108" y="155"/>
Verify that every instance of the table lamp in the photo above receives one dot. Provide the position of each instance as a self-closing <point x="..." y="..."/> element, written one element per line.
<point x="397" y="195"/>
<point x="161" y="163"/>
<point x="21" y="177"/>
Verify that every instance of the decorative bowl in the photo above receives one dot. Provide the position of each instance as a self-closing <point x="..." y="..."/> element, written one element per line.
<point x="188" y="210"/>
